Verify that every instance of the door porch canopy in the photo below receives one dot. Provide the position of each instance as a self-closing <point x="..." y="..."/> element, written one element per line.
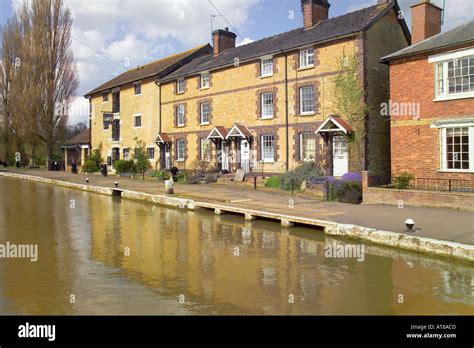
<point x="217" y="134"/>
<point x="239" y="131"/>
<point x="162" y="138"/>
<point x="334" y="125"/>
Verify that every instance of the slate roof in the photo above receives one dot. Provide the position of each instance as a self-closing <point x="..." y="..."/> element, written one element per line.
<point x="155" y="68"/>
<point x="326" y="30"/>
<point x="80" y="139"/>
<point x="459" y="35"/>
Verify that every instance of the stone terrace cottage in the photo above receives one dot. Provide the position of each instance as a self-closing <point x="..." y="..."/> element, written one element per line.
<point x="266" y="106"/>
<point x="269" y="105"/>
<point x="437" y="73"/>
<point x="128" y="107"/>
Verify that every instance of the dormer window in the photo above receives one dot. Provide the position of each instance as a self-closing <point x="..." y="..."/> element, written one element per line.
<point x="205" y="80"/>
<point x="307" y="58"/>
<point x="180" y="86"/>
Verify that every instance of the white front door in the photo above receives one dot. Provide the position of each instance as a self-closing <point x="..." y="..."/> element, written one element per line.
<point x="167" y="156"/>
<point x="340" y="156"/>
<point x="225" y="156"/>
<point x="245" y="155"/>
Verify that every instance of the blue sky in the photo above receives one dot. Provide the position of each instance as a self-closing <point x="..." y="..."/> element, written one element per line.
<point x="135" y="32"/>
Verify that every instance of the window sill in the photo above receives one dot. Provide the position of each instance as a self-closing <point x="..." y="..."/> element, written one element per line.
<point x="204" y="124"/>
<point x="179" y="93"/>
<point x="180" y="126"/>
<point x="137" y="95"/>
<point x="203" y="88"/>
<point x="267" y="118"/>
<point x="265" y="76"/>
<point x="136" y="127"/>
<point x="303" y="68"/>
<point x="456" y="97"/>
<point x="307" y="114"/>
<point x="461" y="171"/>
<point x="180" y="160"/>
<point x="269" y="161"/>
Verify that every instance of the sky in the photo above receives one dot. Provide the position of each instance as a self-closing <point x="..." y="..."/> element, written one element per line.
<point x="112" y="36"/>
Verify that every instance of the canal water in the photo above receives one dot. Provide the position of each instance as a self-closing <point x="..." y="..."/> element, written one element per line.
<point x="104" y="255"/>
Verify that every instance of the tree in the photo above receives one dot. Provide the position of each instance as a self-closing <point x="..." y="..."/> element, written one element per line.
<point x="142" y="164"/>
<point x="55" y="68"/>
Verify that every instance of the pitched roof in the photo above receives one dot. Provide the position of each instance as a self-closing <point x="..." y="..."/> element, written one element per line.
<point x="156" y="68"/>
<point x="459" y="35"/>
<point x="81" y="138"/>
<point x="326" y="30"/>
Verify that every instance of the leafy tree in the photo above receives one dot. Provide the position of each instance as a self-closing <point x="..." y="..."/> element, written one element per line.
<point x="140" y="157"/>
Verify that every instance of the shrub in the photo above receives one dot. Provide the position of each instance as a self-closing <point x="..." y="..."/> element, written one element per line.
<point x="354" y="176"/>
<point x="347" y="190"/>
<point x="309" y="171"/>
<point x="402" y="181"/>
<point x="123" y="166"/>
<point x="160" y="175"/>
<point x="210" y="178"/>
<point x="90" y="167"/>
<point x="273" y="182"/>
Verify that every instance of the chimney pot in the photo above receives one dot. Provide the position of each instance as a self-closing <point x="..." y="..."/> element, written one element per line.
<point x="314" y="11"/>
<point x="426" y="20"/>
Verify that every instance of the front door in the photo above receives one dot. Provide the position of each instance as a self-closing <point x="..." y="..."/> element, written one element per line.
<point x="167" y="156"/>
<point x="340" y="156"/>
<point x="225" y="155"/>
<point x="245" y="155"/>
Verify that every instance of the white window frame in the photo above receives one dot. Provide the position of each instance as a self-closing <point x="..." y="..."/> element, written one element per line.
<point x="306" y="58"/>
<point x="203" y="157"/>
<point x="180" y="86"/>
<point x="301" y="111"/>
<point x="205" y="80"/>
<point x="201" y="113"/>
<point x="266" y="67"/>
<point x="266" y="116"/>
<point x="134" y="120"/>
<point x="105" y="94"/>
<point x="302" y="149"/>
<point x="178" y="143"/>
<point x="443" y="60"/>
<point x="126" y="156"/>
<point x="443" y="147"/>
<point x="179" y="115"/>
<point x="264" y="139"/>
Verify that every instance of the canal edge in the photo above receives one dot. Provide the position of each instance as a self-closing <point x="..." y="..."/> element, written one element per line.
<point x="453" y="250"/>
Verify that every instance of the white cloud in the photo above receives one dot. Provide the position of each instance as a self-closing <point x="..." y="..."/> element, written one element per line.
<point x="131" y="33"/>
<point x="245" y="41"/>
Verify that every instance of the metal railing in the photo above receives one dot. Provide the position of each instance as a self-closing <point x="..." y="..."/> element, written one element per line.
<point x="444" y="185"/>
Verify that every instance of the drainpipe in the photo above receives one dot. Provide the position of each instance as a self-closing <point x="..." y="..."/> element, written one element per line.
<point x="159" y="103"/>
<point x="287" y="147"/>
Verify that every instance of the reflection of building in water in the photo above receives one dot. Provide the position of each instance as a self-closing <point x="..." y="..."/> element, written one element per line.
<point x="176" y="252"/>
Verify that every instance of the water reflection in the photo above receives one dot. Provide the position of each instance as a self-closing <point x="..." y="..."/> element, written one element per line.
<point x="124" y="257"/>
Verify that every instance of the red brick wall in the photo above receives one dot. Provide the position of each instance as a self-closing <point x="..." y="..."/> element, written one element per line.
<point x="414" y="145"/>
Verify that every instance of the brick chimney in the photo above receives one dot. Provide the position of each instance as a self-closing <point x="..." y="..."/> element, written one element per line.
<point x="222" y="39"/>
<point x="314" y="11"/>
<point x="426" y="20"/>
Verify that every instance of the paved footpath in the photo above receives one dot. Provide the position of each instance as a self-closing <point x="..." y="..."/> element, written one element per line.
<point x="443" y="224"/>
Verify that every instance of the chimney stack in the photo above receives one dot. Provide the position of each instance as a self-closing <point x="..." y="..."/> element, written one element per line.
<point x="222" y="39"/>
<point x="426" y="20"/>
<point x="314" y="11"/>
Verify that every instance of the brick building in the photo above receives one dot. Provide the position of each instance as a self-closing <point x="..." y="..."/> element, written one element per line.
<point x="269" y="105"/>
<point x="434" y="76"/>
<point x="265" y="106"/>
